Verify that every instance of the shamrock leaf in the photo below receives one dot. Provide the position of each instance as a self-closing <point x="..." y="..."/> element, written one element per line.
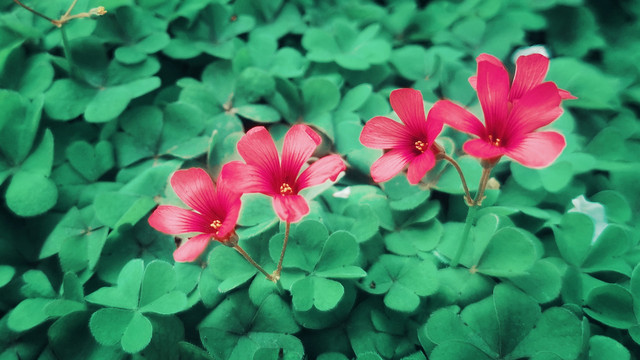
<point x="262" y="52"/>
<point x="506" y="325"/>
<point x="403" y="280"/>
<point x="346" y="46"/>
<point x="213" y="30"/>
<point x="107" y="89"/>
<point x="148" y="290"/>
<point x="238" y="329"/>
<point x="509" y="252"/>
<point x="30" y="192"/>
<point x="138" y="291"/>
<point x="42" y="302"/>
<point x="78" y="239"/>
<point x="575" y="239"/>
<point x="143" y="34"/>
<point x="175" y="131"/>
<point x="372" y="328"/>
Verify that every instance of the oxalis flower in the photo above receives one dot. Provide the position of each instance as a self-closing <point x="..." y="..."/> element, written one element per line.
<point x="264" y="172"/>
<point x="512" y="113"/>
<point x="214" y="216"/>
<point x="411" y="142"/>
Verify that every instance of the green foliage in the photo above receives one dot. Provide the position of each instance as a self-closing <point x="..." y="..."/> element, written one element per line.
<point x="506" y="325"/>
<point x="139" y="291"/>
<point x="96" y="116"/>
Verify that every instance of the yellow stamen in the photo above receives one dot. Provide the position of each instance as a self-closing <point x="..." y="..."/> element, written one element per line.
<point x="100" y="10"/>
<point x="496" y="141"/>
<point x="216" y="224"/>
<point x="419" y="145"/>
<point x="285" y="189"/>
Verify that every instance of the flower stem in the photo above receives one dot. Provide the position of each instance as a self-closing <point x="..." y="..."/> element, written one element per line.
<point x="67" y="53"/>
<point x="486" y="171"/>
<point x="471" y="215"/>
<point x="35" y="12"/>
<point x="252" y="262"/>
<point x="276" y="274"/>
<point x="467" y="195"/>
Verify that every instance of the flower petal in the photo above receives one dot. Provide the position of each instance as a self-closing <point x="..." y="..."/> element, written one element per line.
<point x="290" y="208"/>
<point x="195" y="188"/>
<point x="328" y="167"/>
<point x="537" y="108"/>
<point x="226" y="192"/>
<point x="457" y="117"/>
<point x="174" y="220"/>
<point x="247" y="178"/>
<point x="229" y="222"/>
<point x="493" y="93"/>
<point x="409" y="106"/>
<point x="383" y="133"/>
<point x="530" y="72"/>
<point x="192" y="249"/>
<point x="419" y="166"/>
<point x="482" y="149"/>
<point x="258" y="149"/>
<point x="473" y="81"/>
<point x="565" y="95"/>
<point x="299" y="144"/>
<point x="390" y="164"/>
<point x="538" y="149"/>
<point x="489" y="58"/>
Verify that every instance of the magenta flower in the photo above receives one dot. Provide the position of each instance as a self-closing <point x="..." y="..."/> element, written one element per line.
<point x="530" y="72"/>
<point x="512" y="113"/>
<point x="264" y="172"/>
<point x="410" y="143"/>
<point x="215" y="214"/>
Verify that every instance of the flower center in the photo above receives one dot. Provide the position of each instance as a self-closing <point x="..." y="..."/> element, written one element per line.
<point x="285" y="189"/>
<point x="495" y="141"/>
<point x="216" y="224"/>
<point x="420" y="145"/>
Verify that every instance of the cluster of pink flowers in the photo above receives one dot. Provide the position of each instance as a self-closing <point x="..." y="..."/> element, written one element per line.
<point x="216" y="207"/>
<point x="513" y="114"/>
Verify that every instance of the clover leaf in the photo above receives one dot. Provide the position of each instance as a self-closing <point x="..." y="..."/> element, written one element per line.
<point x="372" y="328"/>
<point x="31" y="191"/>
<point x="78" y="239"/>
<point x="577" y="245"/>
<point x="212" y="30"/>
<point x="106" y="88"/>
<point x="262" y="52"/>
<point x="324" y="261"/>
<point x="506" y="325"/>
<point x="239" y="329"/>
<point x="30" y="76"/>
<point x="42" y="303"/>
<point x="150" y="132"/>
<point x="403" y="280"/>
<point x="138" y="291"/>
<point x="346" y="46"/>
<point x="137" y="31"/>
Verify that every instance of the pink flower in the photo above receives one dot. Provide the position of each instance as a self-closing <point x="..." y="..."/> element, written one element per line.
<point x="512" y="113"/>
<point x="411" y="142"/>
<point x="264" y="172"/>
<point x="215" y="214"/>
<point x="530" y="72"/>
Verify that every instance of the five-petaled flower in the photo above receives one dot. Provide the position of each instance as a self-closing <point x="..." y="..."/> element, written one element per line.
<point x="512" y="113"/>
<point x="215" y="214"/>
<point x="411" y="143"/>
<point x="265" y="173"/>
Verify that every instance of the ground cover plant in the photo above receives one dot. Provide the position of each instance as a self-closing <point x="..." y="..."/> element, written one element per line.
<point x="342" y="179"/>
